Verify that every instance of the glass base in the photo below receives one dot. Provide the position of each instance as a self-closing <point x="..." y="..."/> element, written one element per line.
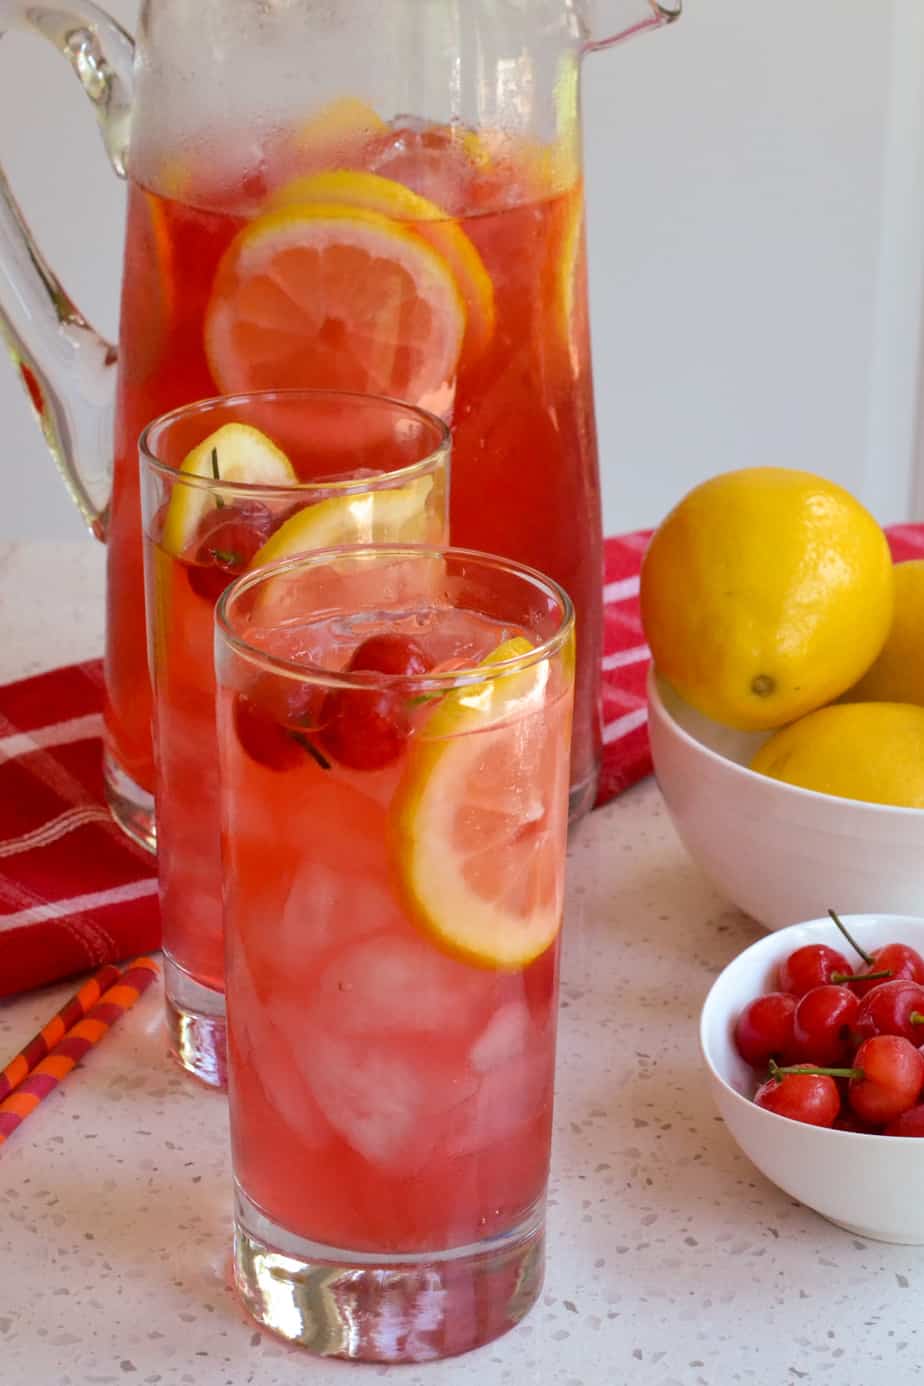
<point x="369" y="1307"/>
<point x="131" y="806"/>
<point x="196" y="1026"/>
<point x="583" y="796"/>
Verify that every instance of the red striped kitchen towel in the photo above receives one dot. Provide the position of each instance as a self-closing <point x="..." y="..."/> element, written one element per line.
<point x="75" y="893"/>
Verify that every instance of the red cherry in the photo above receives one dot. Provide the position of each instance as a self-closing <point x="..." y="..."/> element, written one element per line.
<point x="899" y="960"/>
<point x="910" y="1123"/>
<point x="391" y="654"/>
<point x="890" y="1009"/>
<point x="227" y="541"/>
<point x="366" y="728"/>
<point x="764" y="1028"/>
<point x="849" y="1121"/>
<point x="821" y="1027"/>
<point x="808" y="1097"/>
<point x="890" y="1075"/>
<point x="812" y="966"/>
<point x="271" y="735"/>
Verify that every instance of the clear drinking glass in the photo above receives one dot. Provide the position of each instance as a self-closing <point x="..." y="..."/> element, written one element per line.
<point x="393" y="899"/>
<point x="362" y="469"/>
<point x="374" y="195"/>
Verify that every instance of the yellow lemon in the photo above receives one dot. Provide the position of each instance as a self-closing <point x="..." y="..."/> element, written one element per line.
<point x="897" y="676"/>
<point x="871" y="751"/>
<point x="765" y="594"/>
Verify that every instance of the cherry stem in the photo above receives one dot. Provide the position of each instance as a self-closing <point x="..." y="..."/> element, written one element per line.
<point x="852" y="941"/>
<point x="308" y="745"/>
<point x="916" y="1018"/>
<point x="219" y="502"/>
<point x="779" y="1073"/>
<point x="839" y="978"/>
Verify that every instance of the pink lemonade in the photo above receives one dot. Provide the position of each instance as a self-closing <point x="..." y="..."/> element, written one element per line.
<point x="475" y="293"/>
<point x="394" y="887"/>
<point x="200" y="535"/>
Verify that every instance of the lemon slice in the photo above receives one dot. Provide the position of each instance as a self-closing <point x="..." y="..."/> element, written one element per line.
<point x="570" y="270"/>
<point x="346" y="119"/>
<point x="242" y="454"/>
<point x="355" y="188"/>
<point x="325" y="294"/>
<point x="482" y="817"/>
<point x="399" y="515"/>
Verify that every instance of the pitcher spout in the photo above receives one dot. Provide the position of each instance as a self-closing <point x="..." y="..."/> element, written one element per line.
<point x="613" y="21"/>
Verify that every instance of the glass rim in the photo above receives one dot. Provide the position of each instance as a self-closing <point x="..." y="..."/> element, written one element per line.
<point x="305" y="672"/>
<point x="347" y="486"/>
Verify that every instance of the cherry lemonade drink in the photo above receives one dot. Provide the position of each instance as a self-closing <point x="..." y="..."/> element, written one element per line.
<point x="394" y="894"/>
<point x="424" y="262"/>
<point x="229" y="484"/>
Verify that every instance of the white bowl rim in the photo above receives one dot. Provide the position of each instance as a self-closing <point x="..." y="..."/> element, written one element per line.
<point x="736" y="768"/>
<point x="779" y="935"/>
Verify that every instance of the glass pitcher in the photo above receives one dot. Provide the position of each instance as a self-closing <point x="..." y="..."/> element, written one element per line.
<point x="373" y="195"/>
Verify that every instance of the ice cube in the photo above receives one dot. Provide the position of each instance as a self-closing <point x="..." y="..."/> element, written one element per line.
<point x="292" y="926"/>
<point x="504" y="1036"/>
<point x="394" y="981"/>
<point x="373" y="1098"/>
<point x="261" y="1042"/>
<point x="508" y="1096"/>
<point x="431" y="160"/>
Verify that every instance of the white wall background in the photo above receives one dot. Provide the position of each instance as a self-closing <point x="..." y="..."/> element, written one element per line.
<point x="756" y="193"/>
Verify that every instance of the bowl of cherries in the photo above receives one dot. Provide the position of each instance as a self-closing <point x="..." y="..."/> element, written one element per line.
<point x="814" y="1042"/>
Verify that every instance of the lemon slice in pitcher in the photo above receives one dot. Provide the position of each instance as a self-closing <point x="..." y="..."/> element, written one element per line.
<point x="482" y="816"/>
<point x="236" y="453"/>
<point x="325" y="294"/>
<point x="356" y="188"/>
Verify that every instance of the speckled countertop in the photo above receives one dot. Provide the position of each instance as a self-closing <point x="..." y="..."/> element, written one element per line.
<point x="672" y="1262"/>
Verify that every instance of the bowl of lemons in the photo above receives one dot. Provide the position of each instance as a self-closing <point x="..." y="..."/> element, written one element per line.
<point x="786" y="696"/>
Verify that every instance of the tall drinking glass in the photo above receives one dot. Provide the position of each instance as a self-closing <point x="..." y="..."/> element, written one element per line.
<point x="228" y="484"/>
<point x="393" y="899"/>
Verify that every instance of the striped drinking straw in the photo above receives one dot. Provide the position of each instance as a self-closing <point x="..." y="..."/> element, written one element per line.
<point x="46" y="1039"/>
<point x="133" y="982"/>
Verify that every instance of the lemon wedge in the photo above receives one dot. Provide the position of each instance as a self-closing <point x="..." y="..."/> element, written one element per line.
<point x="398" y="515"/>
<point x="482" y="816"/>
<point x="236" y="453"/>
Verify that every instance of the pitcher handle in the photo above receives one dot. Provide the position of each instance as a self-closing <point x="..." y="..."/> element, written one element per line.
<point x="68" y="369"/>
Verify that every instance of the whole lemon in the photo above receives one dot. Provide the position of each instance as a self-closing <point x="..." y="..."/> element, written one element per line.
<point x="872" y="751"/>
<point x="897" y="675"/>
<point x="766" y="593"/>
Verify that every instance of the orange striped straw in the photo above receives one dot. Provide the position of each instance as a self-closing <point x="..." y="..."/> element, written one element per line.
<point x="46" y="1039"/>
<point x="68" y="1052"/>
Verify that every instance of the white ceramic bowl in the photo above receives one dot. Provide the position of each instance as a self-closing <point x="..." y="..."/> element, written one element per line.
<point x="780" y="853"/>
<point x="867" y="1184"/>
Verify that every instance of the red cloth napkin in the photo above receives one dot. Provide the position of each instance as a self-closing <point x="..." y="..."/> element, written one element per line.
<point x="76" y="893"/>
